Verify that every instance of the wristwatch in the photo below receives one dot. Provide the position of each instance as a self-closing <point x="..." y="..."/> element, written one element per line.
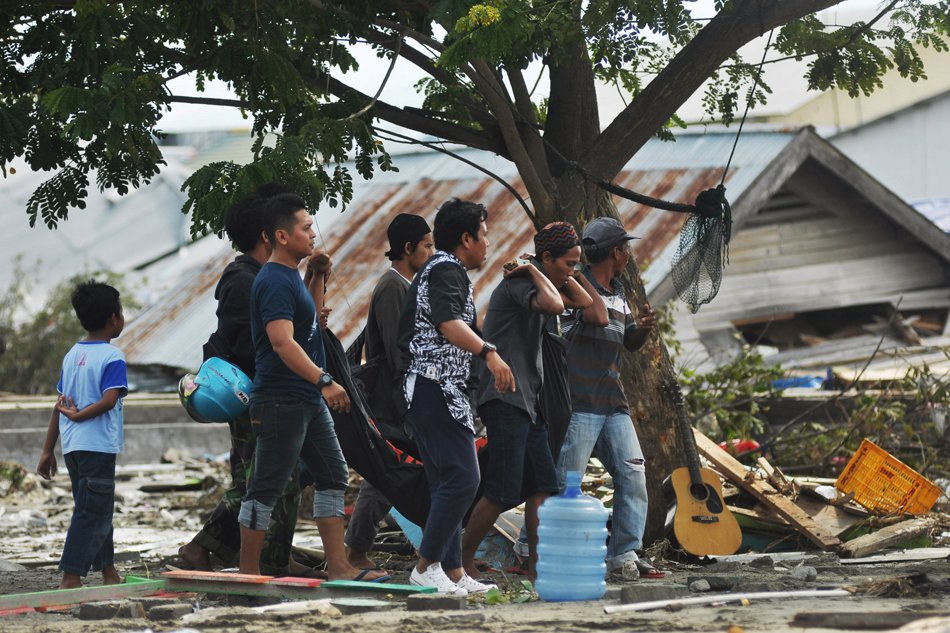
<point x="487" y="349"/>
<point x="325" y="380"/>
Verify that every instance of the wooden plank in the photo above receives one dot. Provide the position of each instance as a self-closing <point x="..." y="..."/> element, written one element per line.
<point x="902" y="556"/>
<point x="378" y="587"/>
<point x="775" y="476"/>
<point x="215" y="576"/>
<point x="266" y="589"/>
<point x="886" y="537"/>
<point x="294" y="581"/>
<point x="133" y="586"/>
<point x="226" y="584"/>
<point x="738" y="474"/>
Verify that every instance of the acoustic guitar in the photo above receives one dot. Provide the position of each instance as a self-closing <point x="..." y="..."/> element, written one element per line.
<point x="702" y="523"/>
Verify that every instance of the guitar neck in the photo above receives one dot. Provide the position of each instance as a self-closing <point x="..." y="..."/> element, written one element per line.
<point x="685" y="428"/>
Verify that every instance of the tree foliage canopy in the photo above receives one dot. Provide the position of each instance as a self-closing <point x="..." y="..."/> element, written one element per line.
<point x="83" y="84"/>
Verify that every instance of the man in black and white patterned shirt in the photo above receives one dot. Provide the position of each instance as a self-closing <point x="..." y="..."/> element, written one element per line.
<point x="437" y="341"/>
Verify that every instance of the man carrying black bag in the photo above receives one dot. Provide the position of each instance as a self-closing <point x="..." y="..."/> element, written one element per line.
<point x="410" y="246"/>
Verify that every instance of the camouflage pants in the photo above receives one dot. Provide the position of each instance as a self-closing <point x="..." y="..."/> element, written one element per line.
<point x="221" y="534"/>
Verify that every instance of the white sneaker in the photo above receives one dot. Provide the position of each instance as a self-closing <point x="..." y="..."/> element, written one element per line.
<point x="433" y="576"/>
<point x="471" y="585"/>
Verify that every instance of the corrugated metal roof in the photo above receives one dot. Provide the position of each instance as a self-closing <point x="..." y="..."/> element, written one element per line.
<point x="172" y="330"/>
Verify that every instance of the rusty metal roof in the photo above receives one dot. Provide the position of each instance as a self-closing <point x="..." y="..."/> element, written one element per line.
<point x="173" y="329"/>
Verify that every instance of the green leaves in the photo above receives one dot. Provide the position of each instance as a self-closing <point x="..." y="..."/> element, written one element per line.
<point x="53" y="199"/>
<point x="83" y="85"/>
<point x="854" y="58"/>
<point x="310" y="161"/>
<point x="14" y="131"/>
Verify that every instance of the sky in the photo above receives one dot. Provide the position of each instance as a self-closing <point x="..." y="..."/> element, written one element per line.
<point x="789" y="88"/>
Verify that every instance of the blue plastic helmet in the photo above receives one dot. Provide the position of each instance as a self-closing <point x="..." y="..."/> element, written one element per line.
<point x="219" y="393"/>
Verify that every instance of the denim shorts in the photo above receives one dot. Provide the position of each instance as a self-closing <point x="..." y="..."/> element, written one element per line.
<point x="519" y="456"/>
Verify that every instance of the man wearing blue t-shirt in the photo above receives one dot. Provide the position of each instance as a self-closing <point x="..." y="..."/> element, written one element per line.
<point x="291" y="391"/>
<point x="88" y="417"/>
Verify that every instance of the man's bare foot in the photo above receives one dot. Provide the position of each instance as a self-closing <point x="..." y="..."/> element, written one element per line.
<point x="299" y="570"/>
<point x="472" y="570"/>
<point x="196" y="556"/>
<point x="359" y="559"/>
<point x="70" y="581"/>
<point x="110" y="576"/>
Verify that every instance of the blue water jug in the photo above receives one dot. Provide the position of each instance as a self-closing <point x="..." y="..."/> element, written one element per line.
<point x="572" y="544"/>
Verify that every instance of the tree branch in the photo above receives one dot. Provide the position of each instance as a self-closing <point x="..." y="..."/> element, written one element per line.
<point x="529" y="122"/>
<point x="425" y="63"/>
<point x="723" y="35"/>
<point x="415" y="119"/>
<point x="501" y="107"/>
<point x="420" y="59"/>
<point x="231" y="103"/>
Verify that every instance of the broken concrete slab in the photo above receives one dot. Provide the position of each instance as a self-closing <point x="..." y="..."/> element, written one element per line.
<point x="171" y="611"/>
<point x="110" y="609"/>
<point x="901" y="556"/>
<point x="351" y="606"/>
<point x="645" y="593"/>
<point x="880" y="621"/>
<point x="435" y="602"/>
<point x="223" y="616"/>
<point x="6" y="565"/>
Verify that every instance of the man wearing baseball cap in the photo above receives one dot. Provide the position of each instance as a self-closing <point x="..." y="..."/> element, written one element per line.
<point x="600" y="414"/>
<point x="410" y="246"/>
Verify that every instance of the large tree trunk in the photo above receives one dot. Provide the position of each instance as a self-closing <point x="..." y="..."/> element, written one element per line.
<point x="571" y="127"/>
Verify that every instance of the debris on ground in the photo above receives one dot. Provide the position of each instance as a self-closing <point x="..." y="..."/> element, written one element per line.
<point x="161" y="506"/>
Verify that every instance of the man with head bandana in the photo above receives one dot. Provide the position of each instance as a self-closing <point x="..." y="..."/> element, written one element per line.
<point x="520" y="461"/>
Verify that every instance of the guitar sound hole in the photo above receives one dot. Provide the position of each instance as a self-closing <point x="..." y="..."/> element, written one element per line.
<point x="699" y="492"/>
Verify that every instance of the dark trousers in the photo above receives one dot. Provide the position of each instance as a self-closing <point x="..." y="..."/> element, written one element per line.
<point x="370" y="508"/>
<point x="221" y="534"/>
<point x="448" y="453"/>
<point x="89" y="538"/>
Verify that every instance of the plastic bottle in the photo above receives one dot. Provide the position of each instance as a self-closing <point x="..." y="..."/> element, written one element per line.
<point x="572" y="544"/>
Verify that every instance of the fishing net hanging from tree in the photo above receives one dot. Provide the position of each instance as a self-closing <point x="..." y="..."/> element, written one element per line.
<point x="703" y="249"/>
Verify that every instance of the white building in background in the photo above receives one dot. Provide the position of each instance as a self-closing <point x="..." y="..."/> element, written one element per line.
<point x="908" y="151"/>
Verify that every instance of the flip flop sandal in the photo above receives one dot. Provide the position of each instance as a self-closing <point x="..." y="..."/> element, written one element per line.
<point x="360" y="576"/>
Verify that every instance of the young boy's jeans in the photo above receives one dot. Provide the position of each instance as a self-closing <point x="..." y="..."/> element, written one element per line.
<point x="89" y="538"/>
<point x="617" y="446"/>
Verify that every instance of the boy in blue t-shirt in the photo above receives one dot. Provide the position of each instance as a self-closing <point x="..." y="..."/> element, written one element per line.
<point x="88" y="416"/>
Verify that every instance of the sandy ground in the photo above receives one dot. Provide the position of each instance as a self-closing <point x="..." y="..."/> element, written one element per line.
<point x="151" y="526"/>
<point x="759" y="616"/>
